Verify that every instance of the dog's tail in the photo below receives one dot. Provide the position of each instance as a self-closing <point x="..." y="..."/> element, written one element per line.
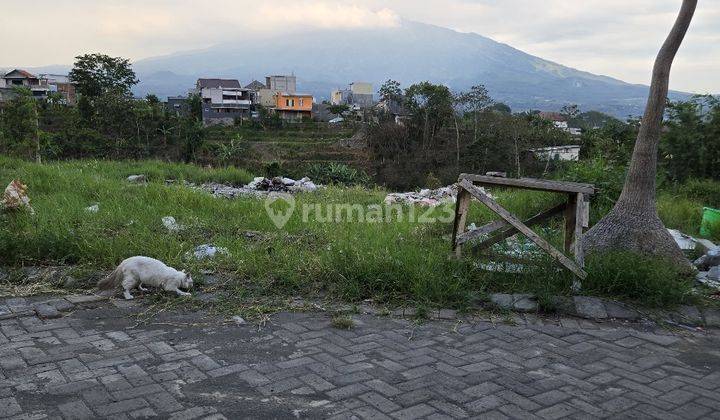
<point x="110" y="282"/>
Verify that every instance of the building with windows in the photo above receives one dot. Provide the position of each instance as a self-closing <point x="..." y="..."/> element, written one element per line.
<point x="293" y="106"/>
<point x="357" y="95"/>
<point x="287" y="84"/>
<point x="223" y="101"/>
<point x="21" y="78"/>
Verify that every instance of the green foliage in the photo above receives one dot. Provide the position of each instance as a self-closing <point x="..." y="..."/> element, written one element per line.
<point x="690" y="147"/>
<point x="432" y="182"/>
<point x="19" y="124"/>
<point x="644" y="279"/>
<point x="613" y="141"/>
<point x="337" y="174"/>
<point x="97" y="74"/>
<point x="704" y="191"/>
<point x="338" y="109"/>
<point x="608" y="178"/>
<point x="390" y="91"/>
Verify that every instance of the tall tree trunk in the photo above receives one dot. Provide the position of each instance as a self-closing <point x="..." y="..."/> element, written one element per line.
<point x="633" y="224"/>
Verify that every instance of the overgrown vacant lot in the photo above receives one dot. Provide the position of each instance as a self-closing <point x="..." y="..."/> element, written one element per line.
<point x="396" y="261"/>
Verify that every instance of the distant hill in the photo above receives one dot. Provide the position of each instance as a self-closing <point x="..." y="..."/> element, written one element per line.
<point x="411" y="52"/>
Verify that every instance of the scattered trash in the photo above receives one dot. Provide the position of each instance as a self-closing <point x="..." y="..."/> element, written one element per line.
<point x="426" y="198"/>
<point x="710" y="278"/>
<point x="93" y="209"/>
<point x="137" y="178"/>
<point x="260" y="187"/>
<point x="239" y="320"/>
<point x="497" y="174"/>
<point x="690" y="243"/>
<point x="280" y="184"/>
<point x="711" y="218"/>
<point x="15" y="197"/>
<point x="171" y="224"/>
<point x="685" y="242"/>
<point x="710" y="259"/>
<point x="209" y="251"/>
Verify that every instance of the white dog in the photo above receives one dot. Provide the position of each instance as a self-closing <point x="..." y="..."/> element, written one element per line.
<point x="136" y="271"/>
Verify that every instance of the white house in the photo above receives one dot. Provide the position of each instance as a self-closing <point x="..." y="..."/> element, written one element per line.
<point x="563" y="153"/>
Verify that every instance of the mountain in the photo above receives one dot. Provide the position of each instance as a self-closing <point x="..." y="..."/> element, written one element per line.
<point x="410" y="52"/>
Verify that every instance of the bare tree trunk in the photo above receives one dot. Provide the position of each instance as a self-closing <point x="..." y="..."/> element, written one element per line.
<point x="633" y="224"/>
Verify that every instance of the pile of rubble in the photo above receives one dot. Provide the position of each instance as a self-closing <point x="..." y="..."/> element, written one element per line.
<point x="259" y="187"/>
<point x="709" y="268"/>
<point x="426" y="198"/>
<point x="708" y="264"/>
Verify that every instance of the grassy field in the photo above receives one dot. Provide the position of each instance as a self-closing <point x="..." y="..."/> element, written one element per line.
<point x="400" y="262"/>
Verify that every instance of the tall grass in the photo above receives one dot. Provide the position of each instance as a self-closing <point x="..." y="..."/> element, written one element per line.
<point x="397" y="261"/>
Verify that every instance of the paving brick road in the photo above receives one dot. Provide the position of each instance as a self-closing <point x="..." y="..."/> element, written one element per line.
<point x="98" y="363"/>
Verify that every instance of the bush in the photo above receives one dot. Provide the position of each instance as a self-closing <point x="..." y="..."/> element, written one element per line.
<point x="650" y="281"/>
<point x="337" y="174"/>
<point x="706" y="191"/>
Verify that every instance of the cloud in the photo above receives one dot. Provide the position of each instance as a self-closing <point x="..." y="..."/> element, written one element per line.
<point x="615" y="37"/>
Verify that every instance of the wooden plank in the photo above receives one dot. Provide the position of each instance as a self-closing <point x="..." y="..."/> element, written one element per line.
<point x="531" y="184"/>
<point x="586" y="212"/>
<point x="570" y="213"/>
<point x="514" y="221"/>
<point x="461" y="210"/>
<point x="511" y="231"/>
<point x="484" y="230"/>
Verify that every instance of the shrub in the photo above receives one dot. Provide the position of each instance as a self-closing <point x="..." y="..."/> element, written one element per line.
<point x="706" y="191"/>
<point x="336" y="173"/>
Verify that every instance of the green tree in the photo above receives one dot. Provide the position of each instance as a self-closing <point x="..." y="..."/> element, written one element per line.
<point x="691" y="145"/>
<point x="20" y="123"/>
<point x="570" y="111"/>
<point x="431" y="107"/>
<point x="390" y="91"/>
<point x="474" y="102"/>
<point x="338" y="109"/>
<point x="194" y="102"/>
<point x="96" y="74"/>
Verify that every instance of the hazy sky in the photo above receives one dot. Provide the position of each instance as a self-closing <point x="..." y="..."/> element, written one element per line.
<point x="618" y="38"/>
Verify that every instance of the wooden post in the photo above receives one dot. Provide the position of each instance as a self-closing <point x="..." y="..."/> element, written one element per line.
<point x="570" y="221"/>
<point x="461" y="210"/>
<point x="578" y="229"/>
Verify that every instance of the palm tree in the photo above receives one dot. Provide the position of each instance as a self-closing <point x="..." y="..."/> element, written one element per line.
<point x="633" y="224"/>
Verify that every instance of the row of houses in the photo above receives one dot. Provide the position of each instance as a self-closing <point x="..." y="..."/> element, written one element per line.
<point x="224" y="101"/>
<point x="41" y="85"/>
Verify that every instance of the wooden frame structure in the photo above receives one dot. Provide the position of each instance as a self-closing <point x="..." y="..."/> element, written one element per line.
<point x="575" y="210"/>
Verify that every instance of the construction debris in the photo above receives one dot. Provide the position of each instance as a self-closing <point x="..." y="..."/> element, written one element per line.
<point x="260" y="187"/>
<point x="426" y="198"/>
<point x="685" y="242"/>
<point x="209" y="251"/>
<point x="15" y="197"/>
<point x="93" y="209"/>
<point x="171" y="224"/>
<point x="709" y="260"/>
<point x="137" y="178"/>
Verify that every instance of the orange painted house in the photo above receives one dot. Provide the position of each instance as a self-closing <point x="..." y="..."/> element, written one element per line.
<point x="293" y="106"/>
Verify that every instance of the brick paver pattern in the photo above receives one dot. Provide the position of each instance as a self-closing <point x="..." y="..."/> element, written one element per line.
<point x="298" y="365"/>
